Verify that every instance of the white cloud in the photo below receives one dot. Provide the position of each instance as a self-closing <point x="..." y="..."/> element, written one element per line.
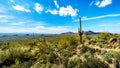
<point x="64" y="11"/>
<point x="97" y="3"/>
<point x="21" y="8"/>
<point x="68" y="11"/>
<point x="105" y="3"/>
<point x="102" y="3"/>
<point x="27" y="10"/>
<point x="54" y="12"/>
<point x="99" y="17"/>
<point x="11" y="0"/>
<point x="56" y="4"/>
<point x="38" y="8"/>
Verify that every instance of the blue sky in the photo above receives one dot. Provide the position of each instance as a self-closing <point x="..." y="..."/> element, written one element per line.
<point x="57" y="16"/>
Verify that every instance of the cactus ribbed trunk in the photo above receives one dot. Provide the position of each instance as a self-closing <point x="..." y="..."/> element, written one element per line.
<point x="80" y="31"/>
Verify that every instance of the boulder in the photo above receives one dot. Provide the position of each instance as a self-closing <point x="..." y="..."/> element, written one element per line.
<point x="112" y="40"/>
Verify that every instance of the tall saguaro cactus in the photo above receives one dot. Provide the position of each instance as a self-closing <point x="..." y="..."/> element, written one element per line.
<point x="80" y="31"/>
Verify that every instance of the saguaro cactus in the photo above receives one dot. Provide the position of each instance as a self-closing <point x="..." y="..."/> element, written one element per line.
<point x="80" y="32"/>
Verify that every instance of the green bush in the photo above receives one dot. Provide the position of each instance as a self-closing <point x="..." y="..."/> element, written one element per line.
<point x="111" y="55"/>
<point x="103" y="36"/>
<point x="75" y="63"/>
<point x="85" y="49"/>
<point x="94" y="63"/>
<point x="67" y="41"/>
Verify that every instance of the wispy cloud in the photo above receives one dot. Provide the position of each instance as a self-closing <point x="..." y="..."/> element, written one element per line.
<point x="11" y="0"/>
<point x="99" y="17"/>
<point x="18" y="23"/>
<point x="56" y="4"/>
<point x="21" y="8"/>
<point x="118" y="23"/>
<point x="14" y="30"/>
<point x="54" y="12"/>
<point x="3" y="21"/>
<point x="64" y="11"/>
<point x="38" y="8"/>
<point x="5" y="18"/>
<point x="91" y="3"/>
<point x="109" y="25"/>
<point x="37" y="29"/>
<point x="102" y="3"/>
<point x="53" y="29"/>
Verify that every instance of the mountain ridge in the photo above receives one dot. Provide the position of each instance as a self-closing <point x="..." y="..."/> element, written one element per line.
<point x="84" y="33"/>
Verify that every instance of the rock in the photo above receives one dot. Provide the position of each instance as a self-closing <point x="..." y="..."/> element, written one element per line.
<point x="112" y="40"/>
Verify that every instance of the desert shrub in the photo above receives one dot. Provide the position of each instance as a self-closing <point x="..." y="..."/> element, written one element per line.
<point x="17" y="54"/>
<point x="87" y="55"/>
<point x="39" y="64"/>
<point x="52" y="58"/>
<point x="87" y="37"/>
<point x="75" y="63"/>
<point x="108" y="59"/>
<point x="65" y="53"/>
<point x="103" y="52"/>
<point x="92" y="41"/>
<point x="67" y="41"/>
<point x="85" y="49"/>
<point x="4" y="47"/>
<point x="3" y="57"/>
<point x="90" y="62"/>
<point x="103" y="36"/>
<point x="36" y="65"/>
<point x="94" y="63"/>
<point x="111" y="55"/>
<point x="18" y="64"/>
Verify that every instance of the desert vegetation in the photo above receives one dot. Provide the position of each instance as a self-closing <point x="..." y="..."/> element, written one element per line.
<point x="61" y="51"/>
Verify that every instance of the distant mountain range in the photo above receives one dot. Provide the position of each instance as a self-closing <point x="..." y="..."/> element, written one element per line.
<point x="89" y="33"/>
<point x="38" y="34"/>
<point x="68" y="33"/>
<point x="84" y="33"/>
